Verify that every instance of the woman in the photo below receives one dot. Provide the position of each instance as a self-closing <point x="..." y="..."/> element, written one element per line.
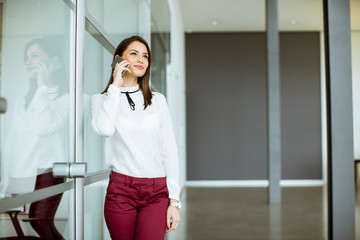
<point x="142" y="200"/>
<point x="38" y="128"/>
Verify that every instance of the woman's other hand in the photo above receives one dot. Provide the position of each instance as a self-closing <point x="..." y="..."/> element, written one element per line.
<point x="172" y="218"/>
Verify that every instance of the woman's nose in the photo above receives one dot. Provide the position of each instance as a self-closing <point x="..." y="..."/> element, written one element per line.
<point x="141" y="59"/>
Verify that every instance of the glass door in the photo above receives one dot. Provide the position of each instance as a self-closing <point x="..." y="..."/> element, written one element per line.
<point x="37" y="72"/>
<point x="107" y="23"/>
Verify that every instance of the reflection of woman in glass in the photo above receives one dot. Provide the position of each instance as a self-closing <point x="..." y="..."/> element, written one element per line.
<point x="37" y="133"/>
<point x="142" y="200"/>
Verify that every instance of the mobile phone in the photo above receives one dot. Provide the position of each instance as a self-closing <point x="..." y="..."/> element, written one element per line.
<point x="117" y="60"/>
<point x="54" y="62"/>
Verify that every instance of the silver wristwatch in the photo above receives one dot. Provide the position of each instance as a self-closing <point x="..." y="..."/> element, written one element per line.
<point x="175" y="204"/>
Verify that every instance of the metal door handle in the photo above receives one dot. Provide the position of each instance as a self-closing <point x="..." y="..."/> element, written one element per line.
<point x="69" y="170"/>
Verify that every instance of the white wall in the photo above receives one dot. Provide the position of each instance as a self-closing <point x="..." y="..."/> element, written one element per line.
<point x="355" y="42"/>
<point x="176" y="84"/>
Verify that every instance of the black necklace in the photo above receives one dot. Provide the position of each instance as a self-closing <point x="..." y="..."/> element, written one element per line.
<point x="131" y="102"/>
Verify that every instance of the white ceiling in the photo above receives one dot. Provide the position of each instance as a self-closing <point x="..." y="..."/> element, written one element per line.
<point x="249" y="15"/>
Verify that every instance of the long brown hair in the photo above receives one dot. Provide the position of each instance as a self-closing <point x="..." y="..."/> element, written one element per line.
<point x="142" y="81"/>
<point x="58" y="77"/>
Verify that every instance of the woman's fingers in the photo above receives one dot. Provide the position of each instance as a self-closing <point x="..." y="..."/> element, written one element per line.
<point x="168" y="223"/>
<point x="119" y="71"/>
<point x="41" y="66"/>
<point x="173" y="226"/>
<point x="173" y="219"/>
<point x="122" y="64"/>
<point x="175" y="223"/>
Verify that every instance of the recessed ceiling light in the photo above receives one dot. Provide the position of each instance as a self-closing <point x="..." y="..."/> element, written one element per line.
<point x="215" y="23"/>
<point x="293" y="22"/>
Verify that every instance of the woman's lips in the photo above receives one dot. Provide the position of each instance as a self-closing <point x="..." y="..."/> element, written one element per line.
<point x="139" y="67"/>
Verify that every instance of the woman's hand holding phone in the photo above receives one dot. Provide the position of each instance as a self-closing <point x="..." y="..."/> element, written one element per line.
<point x="45" y="70"/>
<point x="120" y="69"/>
<point x="44" y="74"/>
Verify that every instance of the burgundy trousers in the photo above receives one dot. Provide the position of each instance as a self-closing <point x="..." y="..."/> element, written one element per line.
<point x="42" y="212"/>
<point x="135" y="208"/>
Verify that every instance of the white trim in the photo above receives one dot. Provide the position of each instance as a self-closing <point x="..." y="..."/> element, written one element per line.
<point x="302" y="183"/>
<point x="225" y="183"/>
<point x="254" y="183"/>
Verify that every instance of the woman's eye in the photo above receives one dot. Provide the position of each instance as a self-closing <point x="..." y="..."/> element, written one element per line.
<point x="146" y="56"/>
<point x="35" y="55"/>
<point x="32" y="56"/>
<point x="133" y="53"/>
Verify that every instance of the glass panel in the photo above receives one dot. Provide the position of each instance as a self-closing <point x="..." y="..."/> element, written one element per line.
<point x="160" y="44"/>
<point x="94" y="222"/>
<point x="160" y="15"/>
<point x="301" y="46"/>
<point x="120" y="18"/>
<point x="355" y="54"/>
<point x="158" y="65"/>
<point x="35" y="61"/>
<point x="134" y="21"/>
<point x="97" y="74"/>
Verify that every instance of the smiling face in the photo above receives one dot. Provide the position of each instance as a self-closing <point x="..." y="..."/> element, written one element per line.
<point x="138" y="57"/>
<point x="34" y="56"/>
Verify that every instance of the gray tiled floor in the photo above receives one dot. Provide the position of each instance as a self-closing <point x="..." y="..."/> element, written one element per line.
<point x="243" y="213"/>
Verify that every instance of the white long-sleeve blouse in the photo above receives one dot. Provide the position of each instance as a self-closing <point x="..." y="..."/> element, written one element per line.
<point x="36" y="138"/>
<point x="139" y="143"/>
